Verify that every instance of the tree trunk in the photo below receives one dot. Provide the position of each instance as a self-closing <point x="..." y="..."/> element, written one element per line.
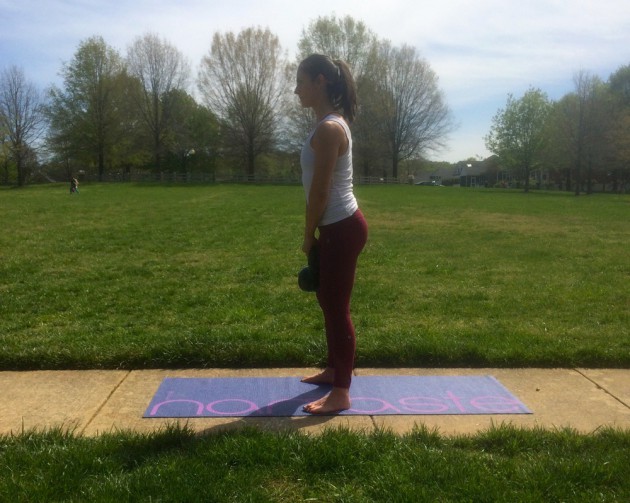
<point x="578" y="179"/>
<point x="21" y="176"/>
<point x="526" y="173"/>
<point x="251" y="162"/>
<point x="19" y="164"/>
<point x="395" y="166"/>
<point x="101" y="164"/>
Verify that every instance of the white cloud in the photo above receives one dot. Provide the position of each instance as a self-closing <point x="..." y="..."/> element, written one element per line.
<point x="480" y="50"/>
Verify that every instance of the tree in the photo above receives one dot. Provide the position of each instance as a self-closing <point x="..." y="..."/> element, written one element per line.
<point x="193" y="132"/>
<point x="595" y="99"/>
<point x="618" y="138"/>
<point x="242" y="80"/>
<point x="517" y="134"/>
<point x="21" y="117"/>
<point x="343" y="38"/>
<point x="5" y="153"/>
<point x="583" y="118"/>
<point x="160" y="68"/>
<point x="559" y="133"/>
<point x="85" y="116"/>
<point x="351" y="41"/>
<point x="407" y="107"/>
<point x="620" y="85"/>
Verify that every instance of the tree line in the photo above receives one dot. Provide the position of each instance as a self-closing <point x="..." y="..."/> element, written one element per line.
<point x="117" y="114"/>
<point x="145" y="112"/>
<point x="581" y="140"/>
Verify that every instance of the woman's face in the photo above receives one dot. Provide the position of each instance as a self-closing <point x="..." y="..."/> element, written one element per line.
<point x="307" y="89"/>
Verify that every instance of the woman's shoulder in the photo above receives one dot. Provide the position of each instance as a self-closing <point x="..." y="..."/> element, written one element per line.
<point x="331" y="134"/>
<point x="330" y="128"/>
<point x="335" y="118"/>
<point x="336" y="123"/>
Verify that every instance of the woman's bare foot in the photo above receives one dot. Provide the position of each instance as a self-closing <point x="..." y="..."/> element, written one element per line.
<point x="326" y="376"/>
<point x="336" y="401"/>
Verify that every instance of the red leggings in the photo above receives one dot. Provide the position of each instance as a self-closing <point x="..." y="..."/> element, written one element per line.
<point x="339" y="247"/>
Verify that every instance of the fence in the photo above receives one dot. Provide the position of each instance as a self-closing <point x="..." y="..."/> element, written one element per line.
<point x="176" y="178"/>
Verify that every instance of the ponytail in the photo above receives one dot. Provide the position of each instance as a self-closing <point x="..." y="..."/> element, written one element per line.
<point x="347" y="97"/>
<point x="340" y="87"/>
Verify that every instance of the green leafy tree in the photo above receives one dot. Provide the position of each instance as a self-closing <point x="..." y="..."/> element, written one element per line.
<point x="517" y="134"/>
<point x="619" y="83"/>
<point x="85" y="116"/>
<point x="559" y="133"/>
<point x="582" y="120"/>
<point x="595" y="122"/>
<point x="242" y="80"/>
<point x="618" y="135"/>
<point x="193" y="133"/>
<point x="4" y="153"/>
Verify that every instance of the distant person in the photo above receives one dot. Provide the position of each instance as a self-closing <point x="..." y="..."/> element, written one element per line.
<point x="328" y="88"/>
<point x="74" y="186"/>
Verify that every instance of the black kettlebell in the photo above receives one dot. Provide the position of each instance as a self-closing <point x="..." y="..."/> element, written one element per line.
<point x="308" y="277"/>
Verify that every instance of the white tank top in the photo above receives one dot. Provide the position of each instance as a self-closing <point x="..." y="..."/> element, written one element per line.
<point x="341" y="201"/>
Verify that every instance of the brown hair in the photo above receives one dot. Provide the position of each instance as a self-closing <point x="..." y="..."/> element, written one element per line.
<point x="341" y="88"/>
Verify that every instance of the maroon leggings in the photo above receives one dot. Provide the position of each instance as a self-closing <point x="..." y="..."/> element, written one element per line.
<point x="339" y="247"/>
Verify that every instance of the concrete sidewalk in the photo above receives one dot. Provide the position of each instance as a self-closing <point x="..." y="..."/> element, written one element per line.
<point x="93" y="402"/>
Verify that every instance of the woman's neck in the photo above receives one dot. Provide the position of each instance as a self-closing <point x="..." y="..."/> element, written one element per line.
<point x="323" y="111"/>
<point x="326" y="114"/>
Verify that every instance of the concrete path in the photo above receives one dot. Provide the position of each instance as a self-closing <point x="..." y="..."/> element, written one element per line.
<point x="93" y="402"/>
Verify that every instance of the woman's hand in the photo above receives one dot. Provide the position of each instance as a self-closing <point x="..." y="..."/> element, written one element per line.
<point x="308" y="243"/>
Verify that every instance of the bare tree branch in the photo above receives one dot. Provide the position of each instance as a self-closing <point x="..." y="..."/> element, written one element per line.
<point x="21" y="116"/>
<point x="242" y="79"/>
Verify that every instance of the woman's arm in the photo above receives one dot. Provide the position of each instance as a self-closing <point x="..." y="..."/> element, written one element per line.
<point x="328" y="143"/>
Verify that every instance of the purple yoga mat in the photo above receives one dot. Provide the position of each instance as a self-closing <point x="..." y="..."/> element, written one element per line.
<point x="370" y="395"/>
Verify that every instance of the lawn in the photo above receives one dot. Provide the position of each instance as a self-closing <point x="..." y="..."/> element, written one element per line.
<point x="500" y="465"/>
<point x="140" y="276"/>
<point x="145" y="276"/>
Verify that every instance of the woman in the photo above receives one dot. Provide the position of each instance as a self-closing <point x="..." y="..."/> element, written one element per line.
<point x="327" y="87"/>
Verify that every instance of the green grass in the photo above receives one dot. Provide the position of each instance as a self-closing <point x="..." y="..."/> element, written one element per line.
<point x="127" y="276"/>
<point x="132" y="276"/>
<point x="502" y="464"/>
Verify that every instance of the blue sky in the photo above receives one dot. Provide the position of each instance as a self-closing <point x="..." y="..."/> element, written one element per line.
<point x="481" y="51"/>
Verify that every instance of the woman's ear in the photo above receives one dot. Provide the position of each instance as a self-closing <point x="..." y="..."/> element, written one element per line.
<point x="321" y="80"/>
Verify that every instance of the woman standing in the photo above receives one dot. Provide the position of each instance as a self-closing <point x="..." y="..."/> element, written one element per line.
<point x="328" y="88"/>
